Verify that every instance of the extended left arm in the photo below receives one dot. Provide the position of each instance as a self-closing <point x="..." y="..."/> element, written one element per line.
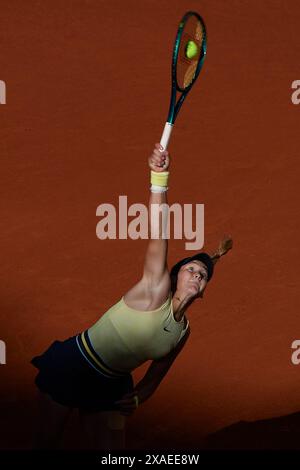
<point x="158" y="369"/>
<point x="153" y="377"/>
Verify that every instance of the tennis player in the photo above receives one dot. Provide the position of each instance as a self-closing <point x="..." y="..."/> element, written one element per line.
<point x="92" y="371"/>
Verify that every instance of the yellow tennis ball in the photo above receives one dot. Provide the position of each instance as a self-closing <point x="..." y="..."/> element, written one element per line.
<point x="191" y="49"/>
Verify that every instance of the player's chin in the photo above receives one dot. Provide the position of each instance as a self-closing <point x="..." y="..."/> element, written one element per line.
<point x="194" y="291"/>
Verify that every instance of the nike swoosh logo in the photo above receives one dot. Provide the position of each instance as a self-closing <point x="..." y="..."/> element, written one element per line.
<point x="167" y="330"/>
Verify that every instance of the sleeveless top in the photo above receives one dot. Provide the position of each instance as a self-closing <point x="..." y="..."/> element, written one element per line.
<point x="125" y="338"/>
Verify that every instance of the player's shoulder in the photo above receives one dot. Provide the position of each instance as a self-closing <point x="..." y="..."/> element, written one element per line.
<point x="147" y="296"/>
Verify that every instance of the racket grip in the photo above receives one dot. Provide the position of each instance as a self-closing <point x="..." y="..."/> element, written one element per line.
<point x="164" y="141"/>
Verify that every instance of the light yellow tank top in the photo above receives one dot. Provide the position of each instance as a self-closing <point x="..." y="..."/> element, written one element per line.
<point x="125" y="338"/>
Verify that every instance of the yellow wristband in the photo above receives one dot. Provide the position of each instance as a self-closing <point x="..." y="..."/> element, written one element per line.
<point x="159" y="179"/>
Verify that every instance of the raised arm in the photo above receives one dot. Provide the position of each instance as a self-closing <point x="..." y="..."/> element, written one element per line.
<point x="155" y="264"/>
<point x="151" y="290"/>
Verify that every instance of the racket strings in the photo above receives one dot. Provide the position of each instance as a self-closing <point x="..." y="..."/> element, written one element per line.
<point x="186" y="66"/>
<point x="199" y="33"/>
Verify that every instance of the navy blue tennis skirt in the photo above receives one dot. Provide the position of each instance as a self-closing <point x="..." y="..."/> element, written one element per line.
<point x="75" y="381"/>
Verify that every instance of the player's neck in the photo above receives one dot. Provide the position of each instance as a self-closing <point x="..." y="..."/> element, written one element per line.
<point x="180" y="304"/>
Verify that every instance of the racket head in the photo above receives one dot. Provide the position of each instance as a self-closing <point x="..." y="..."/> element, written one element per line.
<point x="184" y="70"/>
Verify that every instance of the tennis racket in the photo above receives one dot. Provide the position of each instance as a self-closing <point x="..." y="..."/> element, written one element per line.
<point x="186" y="66"/>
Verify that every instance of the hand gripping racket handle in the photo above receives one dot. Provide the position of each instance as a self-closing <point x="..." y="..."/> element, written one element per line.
<point x="164" y="141"/>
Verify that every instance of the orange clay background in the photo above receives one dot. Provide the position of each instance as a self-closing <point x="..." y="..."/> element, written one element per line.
<point x="88" y="86"/>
